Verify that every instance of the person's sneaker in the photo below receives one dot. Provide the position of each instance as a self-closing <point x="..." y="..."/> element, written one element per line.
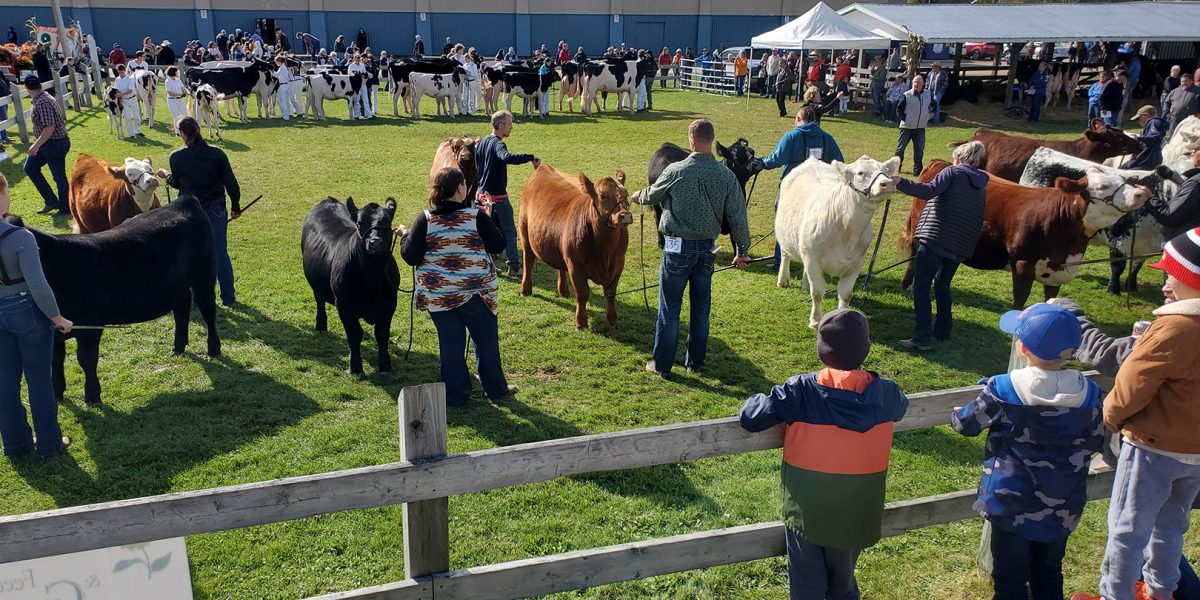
<point x="914" y="345"/>
<point x="66" y="442"/>
<point x="512" y="272"/>
<point x="45" y="210"/>
<point x="512" y="389"/>
<point x="652" y="368"/>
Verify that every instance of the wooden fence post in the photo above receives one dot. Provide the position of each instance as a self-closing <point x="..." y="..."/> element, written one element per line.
<point x="426" y="523"/>
<point x="19" y="114"/>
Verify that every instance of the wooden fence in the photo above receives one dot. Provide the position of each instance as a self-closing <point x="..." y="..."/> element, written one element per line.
<point x="426" y="477"/>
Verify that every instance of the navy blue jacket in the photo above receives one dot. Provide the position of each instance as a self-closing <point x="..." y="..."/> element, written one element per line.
<point x="491" y="164"/>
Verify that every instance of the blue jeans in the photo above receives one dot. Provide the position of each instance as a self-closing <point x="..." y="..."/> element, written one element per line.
<point x="819" y="573"/>
<point x="929" y="269"/>
<point x="52" y="154"/>
<point x="877" y="98"/>
<point x="739" y="84"/>
<point x="26" y="342"/>
<point x="3" y="117"/>
<point x="1189" y="584"/>
<point x="917" y="136"/>
<point x="769" y="87"/>
<point x="1112" y="121"/>
<point x="502" y="214"/>
<point x="1035" y="107"/>
<point x="1093" y="113"/>
<point x="1151" y="501"/>
<point x="220" y="228"/>
<point x="935" y="104"/>
<point x="452" y="326"/>
<point x="691" y="268"/>
<point x="1018" y="562"/>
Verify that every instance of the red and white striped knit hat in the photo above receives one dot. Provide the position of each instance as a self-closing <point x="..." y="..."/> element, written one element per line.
<point x="1181" y="258"/>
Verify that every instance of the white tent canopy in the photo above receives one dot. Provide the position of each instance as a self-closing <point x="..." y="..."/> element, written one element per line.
<point x="821" y="28"/>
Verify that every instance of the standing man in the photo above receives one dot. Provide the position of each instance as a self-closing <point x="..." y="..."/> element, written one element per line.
<point x="418" y="47"/>
<point x="741" y="71"/>
<point x="1037" y="91"/>
<point x="49" y="149"/>
<point x="878" y="81"/>
<point x="772" y="73"/>
<point x="223" y="42"/>
<point x="117" y="56"/>
<point x="784" y="79"/>
<point x="939" y="82"/>
<point x="1111" y="97"/>
<point x="491" y="163"/>
<point x="806" y="141"/>
<point x="310" y="41"/>
<point x="696" y="194"/>
<point x="447" y="47"/>
<point x="1182" y="213"/>
<point x="1183" y="101"/>
<point x="1154" y="130"/>
<point x="130" y="109"/>
<point x="914" y="112"/>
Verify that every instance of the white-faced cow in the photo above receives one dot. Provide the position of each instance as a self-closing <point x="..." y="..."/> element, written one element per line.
<point x="330" y="86"/>
<point x="104" y="195"/>
<point x="145" y="86"/>
<point x="116" y="113"/>
<point x="824" y="220"/>
<point x="443" y="88"/>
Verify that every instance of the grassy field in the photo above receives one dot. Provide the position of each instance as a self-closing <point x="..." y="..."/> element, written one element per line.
<point x="280" y="402"/>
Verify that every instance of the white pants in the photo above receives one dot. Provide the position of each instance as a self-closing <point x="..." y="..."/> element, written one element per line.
<point x="544" y="103"/>
<point x="178" y="108"/>
<point x="133" y="115"/>
<point x="285" y="101"/>
<point x="468" y="97"/>
<point x="297" y="97"/>
<point x="361" y="105"/>
<point x="641" y="96"/>
<point x="373" y="96"/>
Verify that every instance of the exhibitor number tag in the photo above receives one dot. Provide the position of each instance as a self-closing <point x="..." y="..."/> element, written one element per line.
<point x="673" y="245"/>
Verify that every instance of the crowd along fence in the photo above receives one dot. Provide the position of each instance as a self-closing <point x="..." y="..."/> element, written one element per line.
<point x="425" y="478"/>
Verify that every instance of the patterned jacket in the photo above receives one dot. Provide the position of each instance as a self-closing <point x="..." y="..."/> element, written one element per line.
<point x="1036" y="458"/>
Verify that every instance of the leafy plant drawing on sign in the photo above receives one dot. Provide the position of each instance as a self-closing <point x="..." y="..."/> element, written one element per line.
<point x="152" y="566"/>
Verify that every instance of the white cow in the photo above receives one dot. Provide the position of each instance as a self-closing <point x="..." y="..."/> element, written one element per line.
<point x="204" y="106"/>
<point x="145" y="86"/>
<point x="608" y="77"/>
<point x="824" y="220"/>
<point x="445" y="88"/>
<point x="329" y="86"/>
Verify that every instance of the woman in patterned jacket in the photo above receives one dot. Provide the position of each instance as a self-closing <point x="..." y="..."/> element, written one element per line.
<point x="451" y="245"/>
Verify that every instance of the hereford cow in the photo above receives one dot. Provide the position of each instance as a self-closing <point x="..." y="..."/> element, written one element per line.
<point x="1037" y="233"/>
<point x="738" y="157"/>
<point x="1046" y="166"/>
<point x="204" y="106"/>
<point x="152" y="265"/>
<point x="104" y="195"/>
<point x="1007" y="154"/>
<point x="570" y="89"/>
<point x="460" y="154"/>
<point x="145" y="86"/>
<point x="620" y="77"/>
<point x="824" y="221"/>
<point x="348" y="263"/>
<point x="330" y="86"/>
<point x="442" y="88"/>
<point x="581" y="230"/>
<point x="116" y="112"/>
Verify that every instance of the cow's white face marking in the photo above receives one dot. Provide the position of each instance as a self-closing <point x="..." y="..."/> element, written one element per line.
<point x="1059" y="276"/>
<point x="1109" y="198"/>
<point x="142" y="182"/>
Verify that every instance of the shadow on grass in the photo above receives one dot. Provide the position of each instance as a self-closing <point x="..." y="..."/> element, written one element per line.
<point x="946" y="446"/>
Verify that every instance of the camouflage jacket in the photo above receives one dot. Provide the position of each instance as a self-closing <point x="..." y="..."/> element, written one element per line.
<point x="1036" y="459"/>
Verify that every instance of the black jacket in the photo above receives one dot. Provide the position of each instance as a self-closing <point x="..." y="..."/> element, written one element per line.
<point x="166" y="56"/>
<point x="204" y="171"/>
<point x="414" y="246"/>
<point x="1112" y="95"/>
<point x="1182" y="213"/>
<point x="419" y="48"/>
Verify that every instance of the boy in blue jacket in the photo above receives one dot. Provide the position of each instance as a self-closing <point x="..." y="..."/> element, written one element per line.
<point x="1044" y="423"/>
<point x="835" y="457"/>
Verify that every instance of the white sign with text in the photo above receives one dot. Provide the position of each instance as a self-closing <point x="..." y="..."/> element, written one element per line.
<point x="152" y="570"/>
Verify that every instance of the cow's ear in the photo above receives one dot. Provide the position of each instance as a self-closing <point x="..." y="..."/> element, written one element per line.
<point x="390" y="205"/>
<point x="148" y="161"/>
<point x="1096" y="124"/>
<point x="892" y="166"/>
<point x="587" y="186"/>
<point x="118" y="172"/>
<point x="1071" y="186"/>
<point x="620" y="177"/>
<point x="840" y="167"/>
<point x="352" y="208"/>
<point x="722" y="150"/>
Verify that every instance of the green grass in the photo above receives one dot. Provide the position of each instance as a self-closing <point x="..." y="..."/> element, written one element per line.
<point x="280" y="403"/>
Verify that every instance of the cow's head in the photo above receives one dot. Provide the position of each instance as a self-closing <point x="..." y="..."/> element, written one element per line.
<point x="739" y="158"/>
<point x="139" y="179"/>
<point x="1106" y="141"/>
<point x="464" y="151"/>
<point x="374" y="223"/>
<point x="873" y="180"/>
<point x="609" y="198"/>
<point x="1109" y="196"/>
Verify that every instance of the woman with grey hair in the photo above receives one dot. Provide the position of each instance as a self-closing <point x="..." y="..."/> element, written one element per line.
<point x="946" y="233"/>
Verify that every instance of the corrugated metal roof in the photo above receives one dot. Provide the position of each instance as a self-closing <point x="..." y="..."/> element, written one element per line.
<point x="1013" y="23"/>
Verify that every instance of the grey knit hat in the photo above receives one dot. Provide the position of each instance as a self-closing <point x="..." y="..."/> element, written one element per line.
<point x="843" y="339"/>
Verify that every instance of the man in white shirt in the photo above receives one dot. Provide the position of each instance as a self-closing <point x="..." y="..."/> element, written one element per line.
<point x="138" y="62"/>
<point x="132" y="113"/>
<point x="772" y="73"/>
<point x="284" y="95"/>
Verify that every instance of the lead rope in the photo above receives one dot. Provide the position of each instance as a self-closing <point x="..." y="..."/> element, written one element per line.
<point x="642" y="258"/>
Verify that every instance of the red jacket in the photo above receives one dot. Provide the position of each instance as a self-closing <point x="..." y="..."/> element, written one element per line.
<point x="564" y="55"/>
<point x="842" y="72"/>
<point x="664" y="59"/>
<point x="117" y="57"/>
<point x="816" y="72"/>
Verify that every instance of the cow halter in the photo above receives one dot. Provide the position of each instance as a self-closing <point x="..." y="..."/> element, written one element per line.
<point x="867" y="192"/>
<point x="607" y="217"/>
<point x="1109" y="199"/>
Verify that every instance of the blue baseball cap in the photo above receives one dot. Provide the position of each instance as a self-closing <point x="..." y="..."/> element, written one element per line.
<point x="1046" y="330"/>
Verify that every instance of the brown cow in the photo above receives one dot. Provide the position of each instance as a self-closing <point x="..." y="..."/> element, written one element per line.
<point x="1037" y="232"/>
<point x="104" y="195"/>
<point x="579" y="228"/>
<point x="1007" y="154"/>
<point x="460" y="154"/>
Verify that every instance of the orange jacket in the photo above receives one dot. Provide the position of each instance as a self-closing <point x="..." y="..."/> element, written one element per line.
<point x="741" y="67"/>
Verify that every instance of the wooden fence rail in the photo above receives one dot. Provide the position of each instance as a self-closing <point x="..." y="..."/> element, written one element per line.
<point x="425" y="481"/>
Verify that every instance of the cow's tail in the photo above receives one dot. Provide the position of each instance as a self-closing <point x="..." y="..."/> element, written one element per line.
<point x="904" y="247"/>
<point x="953" y="145"/>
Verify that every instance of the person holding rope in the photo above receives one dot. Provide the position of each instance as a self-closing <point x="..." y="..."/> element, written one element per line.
<point x="696" y="195"/>
<point x="491" y="162"/>
<point x="456" y="283"/>
<point x="806" y="141"/>
<point x="946" y="233"/>
<point x="1182" y="213"/>
<point x="204" y="172"/>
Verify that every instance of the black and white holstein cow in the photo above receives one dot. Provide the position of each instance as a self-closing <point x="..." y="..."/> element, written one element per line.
<point x="204" y="107"/>
<point x="330" y="86"/>
<point x="237" y="80"/>
<point x="531" y="87"/>
<point x="443" y="88"/>
<point x="399" y="73"/>
<point x="618" y="77"/>
<point x="116" y="113"/>
<point x="145" y="86"/>
<point x="148" y="267"/>
<point x="348" y="263"/>
<point x="1136" y="228"/>
<point x="570" y="88"/>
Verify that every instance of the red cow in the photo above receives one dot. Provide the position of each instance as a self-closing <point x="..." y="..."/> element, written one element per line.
<point x="579" y="228"/>
<point x="1037" y="233"/>
<point x="1007" y="154"/>
<point x="460" y="154"/>
<point x="104" y="195"/>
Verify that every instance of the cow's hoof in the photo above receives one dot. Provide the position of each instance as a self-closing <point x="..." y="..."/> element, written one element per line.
<point x="1131" y="287"/>
<point x="1114" y="290"/>
<point x="93" y="403"/>
<point x="177" y="352"/>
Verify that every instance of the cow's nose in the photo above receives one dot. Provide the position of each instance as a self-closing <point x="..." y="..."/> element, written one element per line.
<point x="625" y="218"/>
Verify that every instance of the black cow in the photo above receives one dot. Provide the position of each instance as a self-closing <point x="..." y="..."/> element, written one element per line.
<point x="529" y="85"/>
<point x="348" y="263"/>
<point x="238" y="79"/>
<point x="149" y="266"/>
<point x="738" y="158"/>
